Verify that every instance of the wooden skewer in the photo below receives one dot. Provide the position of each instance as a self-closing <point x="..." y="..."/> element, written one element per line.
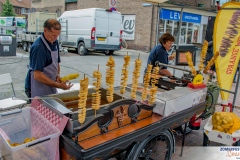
<point x="127" y="53"/>
<point x="138" y="55"/>
<point x="98" y="67"/>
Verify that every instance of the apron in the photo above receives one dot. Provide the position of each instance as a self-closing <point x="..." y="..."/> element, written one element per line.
<point x="51" y="71"/>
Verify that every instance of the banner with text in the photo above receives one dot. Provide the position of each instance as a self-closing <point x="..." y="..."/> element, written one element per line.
<point x="227" y="41"/>
<point x="128" y="27"/>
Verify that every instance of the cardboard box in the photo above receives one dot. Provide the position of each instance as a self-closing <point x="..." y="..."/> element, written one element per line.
<point x="177" y="100"/>
<point x="220" y="137"/>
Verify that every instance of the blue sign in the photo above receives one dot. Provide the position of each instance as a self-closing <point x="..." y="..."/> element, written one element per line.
<point x="175" y="16"/>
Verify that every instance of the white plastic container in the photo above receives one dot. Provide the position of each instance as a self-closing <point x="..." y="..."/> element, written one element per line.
<point x="16" y="125"/>
<point x="220" y="137"/>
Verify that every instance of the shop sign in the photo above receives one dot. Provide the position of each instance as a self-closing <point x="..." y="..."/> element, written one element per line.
<point x="128" y="27"/>
<point x="175" y="15"/>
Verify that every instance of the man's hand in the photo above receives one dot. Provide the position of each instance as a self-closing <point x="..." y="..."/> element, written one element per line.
<point x="58" y="79"/>
<point x="65" y="85"/>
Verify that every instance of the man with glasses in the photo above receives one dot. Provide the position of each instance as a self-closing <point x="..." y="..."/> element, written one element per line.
<point x="44" y="69"/>
<point x="159" y="53"/>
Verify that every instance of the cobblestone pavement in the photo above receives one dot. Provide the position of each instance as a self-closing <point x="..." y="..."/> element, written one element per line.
<point x="71" y="62"/>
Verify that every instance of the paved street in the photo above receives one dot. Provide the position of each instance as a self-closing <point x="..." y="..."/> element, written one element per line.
<point x="71" y="62"/>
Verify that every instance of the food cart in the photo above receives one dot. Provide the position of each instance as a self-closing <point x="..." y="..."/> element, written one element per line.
<point x="128" y="127"/>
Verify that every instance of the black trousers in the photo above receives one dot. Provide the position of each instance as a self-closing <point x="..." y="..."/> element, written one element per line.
<point x="28" y="93"/>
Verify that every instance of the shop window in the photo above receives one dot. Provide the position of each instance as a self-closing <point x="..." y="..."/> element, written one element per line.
<point x="161" y="27"/>
<point x="168" y="26"/>
<point x="189" y="33"/>
<point x="23" y="11"/>
<point x="175" y="30"/>
<point x="195" y="33"/>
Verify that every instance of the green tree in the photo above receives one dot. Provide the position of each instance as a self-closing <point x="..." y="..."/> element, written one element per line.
<point x="7" y="9"/>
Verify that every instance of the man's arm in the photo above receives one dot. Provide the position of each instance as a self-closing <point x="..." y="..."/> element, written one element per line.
<point x="42" y="78"/>
<point x="165" y="72"/>
<point x="58" y="76"/>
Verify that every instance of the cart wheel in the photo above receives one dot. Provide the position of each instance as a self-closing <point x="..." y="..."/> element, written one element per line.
<point x="158" y="146"/>
<point x="206" y="141"/>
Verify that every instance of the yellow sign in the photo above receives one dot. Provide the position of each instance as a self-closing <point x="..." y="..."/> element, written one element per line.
<point x="227" y="42"/>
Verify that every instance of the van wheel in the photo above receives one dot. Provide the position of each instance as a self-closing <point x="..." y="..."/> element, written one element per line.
<point x="81" y="49"/>
<point x="29" y="47"/>
<point x="24" y="46"/>
<point x="108" y="52"/>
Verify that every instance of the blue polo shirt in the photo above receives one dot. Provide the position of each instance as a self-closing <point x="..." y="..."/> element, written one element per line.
<point x="40" y="57"/>
<point x="160" y="54"/>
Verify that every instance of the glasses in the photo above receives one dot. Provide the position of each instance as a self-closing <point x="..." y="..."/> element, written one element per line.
<point x="170" y="43"/>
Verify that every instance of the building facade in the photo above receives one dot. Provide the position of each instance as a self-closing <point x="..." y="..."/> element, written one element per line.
<point x="20" y="7"/>
<point x="51" y="6"/>
<point x="142" y="24"/>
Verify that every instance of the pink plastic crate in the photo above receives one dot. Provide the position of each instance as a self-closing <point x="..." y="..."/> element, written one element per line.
<point x="19" y="124"/>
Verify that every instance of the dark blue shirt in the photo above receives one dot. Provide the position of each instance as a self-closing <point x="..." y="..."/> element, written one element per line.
<point x="160" y="54"/>
<point x="40" y="57"/>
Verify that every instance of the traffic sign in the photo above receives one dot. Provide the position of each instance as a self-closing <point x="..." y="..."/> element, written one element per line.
<point x="112" y="3"/>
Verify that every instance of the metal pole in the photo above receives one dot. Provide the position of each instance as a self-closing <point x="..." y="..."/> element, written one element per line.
<point x="236" y="89"/>
<point x="179" y="28"/>
<point x="179" y="33"/>
<point x="170" y="66"/>
<point x="157" y="26"/>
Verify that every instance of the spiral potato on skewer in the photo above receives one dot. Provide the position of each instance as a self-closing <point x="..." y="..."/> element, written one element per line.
<point x="153" y="89"/>
<point x="147" y="78"/>
<point x="110" y="78"/>
<point x="82" y="100"/>
<point x="190" y="63"/>
<point x="136" y="75"/>
<point x="124" y="75"/>
<point x="96" y="97"/>
<point x="211" y="62"/>
<point x="203" y="55"/>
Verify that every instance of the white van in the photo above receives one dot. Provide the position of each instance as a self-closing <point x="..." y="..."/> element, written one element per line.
<point x="91" y="29"/>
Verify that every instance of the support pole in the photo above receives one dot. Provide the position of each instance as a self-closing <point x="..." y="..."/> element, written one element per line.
<point x="179" y="33"/>
<point x="157" y="25"/>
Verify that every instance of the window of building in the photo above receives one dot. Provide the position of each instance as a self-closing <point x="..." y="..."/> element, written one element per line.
<point x="23" y="11"/>
<point x="58" y="12"/>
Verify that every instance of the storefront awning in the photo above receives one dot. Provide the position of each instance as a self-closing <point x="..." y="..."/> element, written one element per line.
<point x="188" y="9"/>
<point x="155" y="1"/>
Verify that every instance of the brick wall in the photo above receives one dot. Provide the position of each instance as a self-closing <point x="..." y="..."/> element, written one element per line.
<point x="206" y="3"/>
<point x="143" y="24"/>
<point x="70" y="6"/>
<point x="52" y="6"/>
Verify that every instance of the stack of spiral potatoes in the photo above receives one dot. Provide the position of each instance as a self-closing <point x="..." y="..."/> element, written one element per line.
<point x="110" y="78"/>
<point x="135" y="77"/>
<point x="146" y="80"/>
<point x="124" y="75"/>
<point x="82" y="100"/>
<point x="96" y="97"/>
